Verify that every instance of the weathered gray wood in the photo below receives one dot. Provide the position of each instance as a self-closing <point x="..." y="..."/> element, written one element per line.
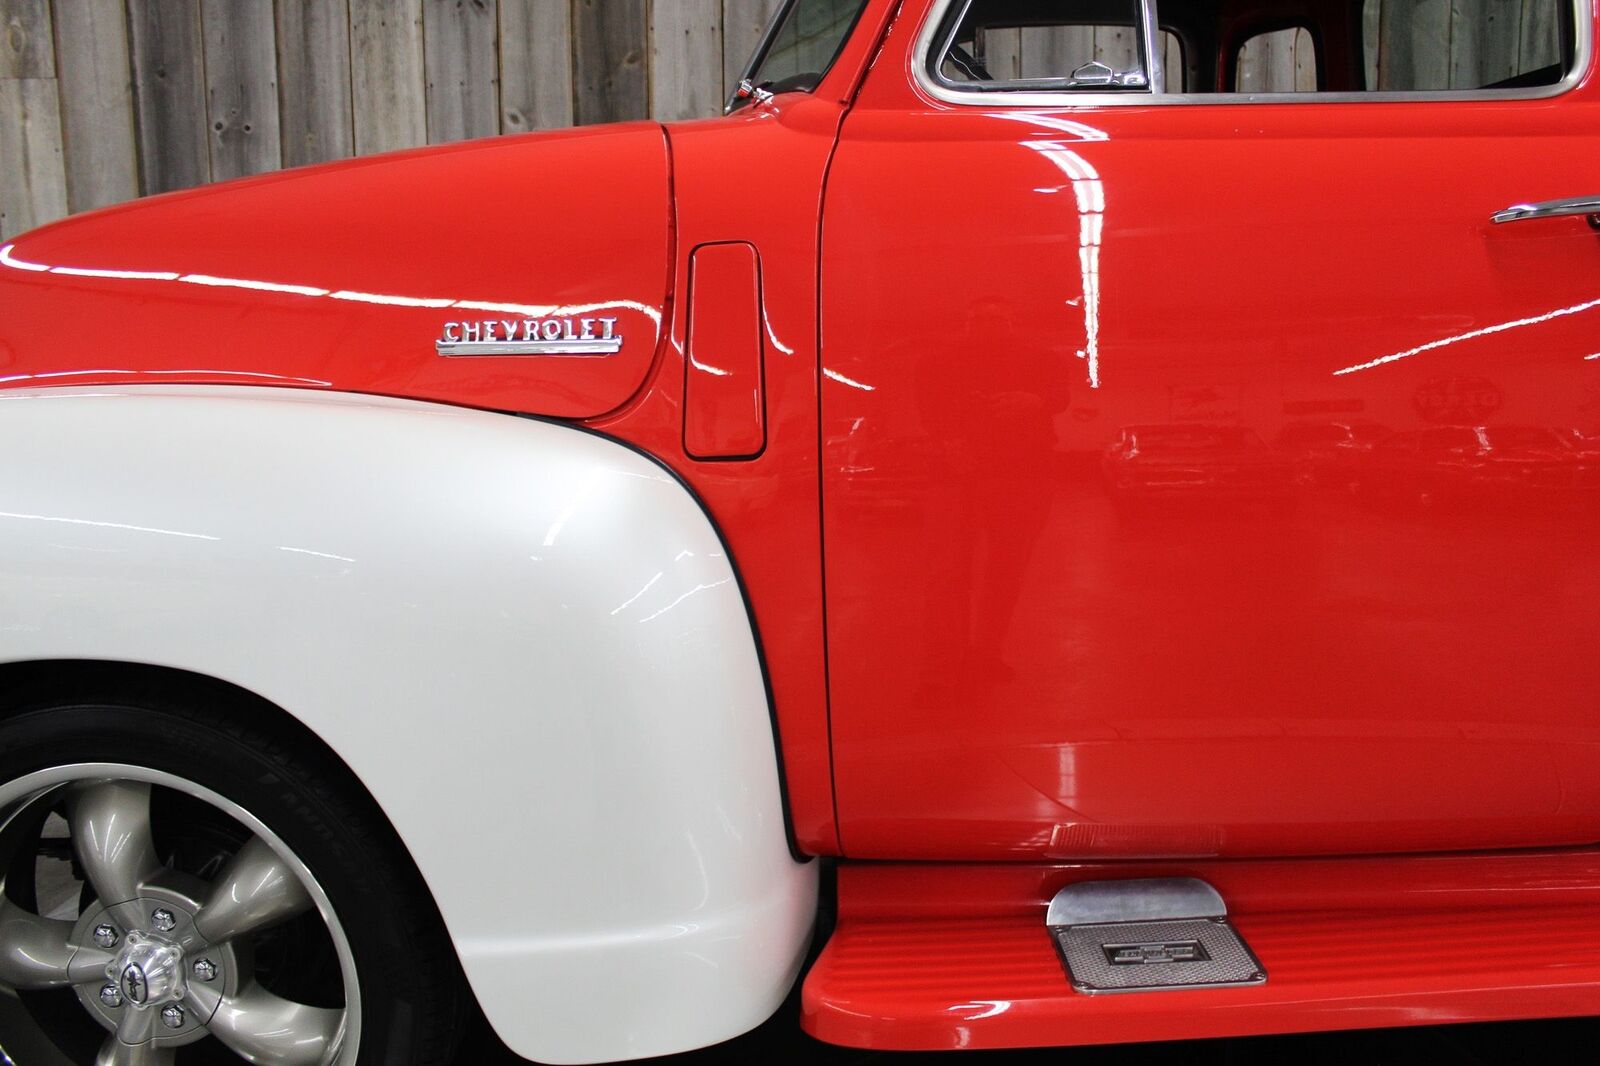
<point x="314" y="81"/>
<point x="1392" y="49"/>
<point x="1540" y="37"/>
<point x="1256" y="62"/>
<point x="610" y="52"/>
<point x="1484" y="39"/>
<point x="1172" y="63"/>
<point x="463" y="77"/>
<point x="26" y="49"/>
<point x="686" y="59"/>
<point x="97" y="128"/>
<point x="1306" y="74"/>
<point x="342" y="77"/>
<point x="34" y="189"/>
<point x="1254" y="73"/>
<point x="1001" y="53"/>
<point x="1117" y="47"/>
<point x="742" y="24"/>
<point x="241" y="65"/>
<point x="1284" y="61"/>
<point x="1414" y="43"/>
<point x="535" y="64"/>
<point x="169" y="93"/>
<point x="1432" y="25"/>
<point x="819" y="26"/>
<point x="388" y="93"/>
<point x="1371" y="16"/>
<point x="1055" y="52"/>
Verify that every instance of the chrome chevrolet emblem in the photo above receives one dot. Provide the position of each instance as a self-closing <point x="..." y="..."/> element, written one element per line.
<point x="530" y="336"/>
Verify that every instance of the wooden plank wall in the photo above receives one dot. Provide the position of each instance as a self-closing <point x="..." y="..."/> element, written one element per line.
<point x="1454" y="44"/>
<point x="1281" y="62"/>
<point x="1419" y="44"/>
<point x="104" y="100"/>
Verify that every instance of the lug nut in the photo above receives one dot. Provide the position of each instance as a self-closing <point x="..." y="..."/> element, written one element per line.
<point x="111" y="996"/>
<point x="205" y="969"/>
<point x="105" y="936"/>
<point x="172" y="1016"/>
<point x="163" y="921"/>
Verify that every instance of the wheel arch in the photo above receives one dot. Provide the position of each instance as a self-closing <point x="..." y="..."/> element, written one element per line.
<point x="32" y="683"/>
<point x="378" y="597"/>
<point x="26" y="686"/>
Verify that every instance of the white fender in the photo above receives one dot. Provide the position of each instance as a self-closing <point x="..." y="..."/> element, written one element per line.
<point x="527" y="641"/>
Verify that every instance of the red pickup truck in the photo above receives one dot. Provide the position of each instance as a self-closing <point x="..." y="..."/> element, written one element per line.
<point x="602" y="578"/>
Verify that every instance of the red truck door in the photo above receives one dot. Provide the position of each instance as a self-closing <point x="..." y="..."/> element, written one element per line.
<point x="1209" y="474"/>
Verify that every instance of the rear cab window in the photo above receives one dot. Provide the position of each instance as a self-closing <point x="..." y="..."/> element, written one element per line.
<point x="1277" y="61"/>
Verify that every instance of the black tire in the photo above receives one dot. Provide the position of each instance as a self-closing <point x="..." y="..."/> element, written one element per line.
<point x="412" y="1003"/>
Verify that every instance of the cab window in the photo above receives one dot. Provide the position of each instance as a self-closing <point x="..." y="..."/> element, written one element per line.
<point x="800" y="46"/>
<point x="1086" y="44"/>
<point x="1415" y="46"/>
<point x="1256" y="47"/>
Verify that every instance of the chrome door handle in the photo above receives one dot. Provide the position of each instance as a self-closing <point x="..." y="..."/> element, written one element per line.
<point x="1578" y="205"/>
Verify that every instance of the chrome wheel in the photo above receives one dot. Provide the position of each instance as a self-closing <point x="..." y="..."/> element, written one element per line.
<point x="176" y="919"/>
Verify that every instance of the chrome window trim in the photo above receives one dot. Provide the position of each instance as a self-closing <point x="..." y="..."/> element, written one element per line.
<point x="1154" y="60"/>
<point x="950" y="93"/>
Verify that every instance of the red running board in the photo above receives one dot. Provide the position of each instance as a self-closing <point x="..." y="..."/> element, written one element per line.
<point x="928" y="957"/>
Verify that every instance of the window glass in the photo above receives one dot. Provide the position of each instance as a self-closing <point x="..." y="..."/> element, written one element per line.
<point x="1422" y="46"/>
<point x="1034" y="52"/>
<point x="1174" y="64"/>
<point x="1226" y="47"/>
<point x="803" y="44"/>
<point x="1280" y="61"/>
<point x="1084" y="44"/>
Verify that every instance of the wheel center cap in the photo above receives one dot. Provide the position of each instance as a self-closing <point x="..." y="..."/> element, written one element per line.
<point x="149" y="971"/>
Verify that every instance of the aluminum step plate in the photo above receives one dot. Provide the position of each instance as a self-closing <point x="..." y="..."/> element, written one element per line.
<point x="1156" y="956"/>
<point x="1158" y="935"/>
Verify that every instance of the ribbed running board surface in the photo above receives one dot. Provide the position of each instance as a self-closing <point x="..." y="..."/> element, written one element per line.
<point x="997" y="983"/>
<point x="920" y="980"/>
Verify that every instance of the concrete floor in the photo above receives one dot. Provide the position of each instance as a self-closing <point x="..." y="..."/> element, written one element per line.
<point x="1508" y="1044"/>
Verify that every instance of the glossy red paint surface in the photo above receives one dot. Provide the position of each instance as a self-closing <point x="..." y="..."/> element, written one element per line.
<point x="768" y="506"/>
<point x="1090" y="594"/>
<point x="1196" y="483"/>
<point x="724" y="403"/>
<point x="343" y="276"/>
<point x="932" y="958"/>
<point x="758" y="176"/>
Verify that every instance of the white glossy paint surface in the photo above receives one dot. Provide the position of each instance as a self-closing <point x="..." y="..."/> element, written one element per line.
<point x="525" y="640"/>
